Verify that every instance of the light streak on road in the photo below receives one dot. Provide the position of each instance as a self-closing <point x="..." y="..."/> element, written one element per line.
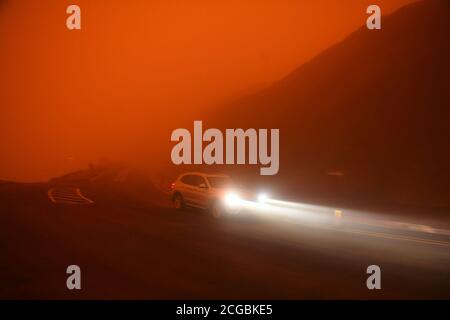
<point x="349" y="221"/>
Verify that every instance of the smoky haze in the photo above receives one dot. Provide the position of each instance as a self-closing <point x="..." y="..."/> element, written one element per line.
<point x="139" y="69"/>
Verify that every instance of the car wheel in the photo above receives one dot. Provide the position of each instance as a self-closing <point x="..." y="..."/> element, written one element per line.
<point x="178" y="202"/>
<point x="217" y="210"/>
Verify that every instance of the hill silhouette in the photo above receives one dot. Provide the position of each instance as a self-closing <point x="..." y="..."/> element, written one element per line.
<point x="374" y="109"/>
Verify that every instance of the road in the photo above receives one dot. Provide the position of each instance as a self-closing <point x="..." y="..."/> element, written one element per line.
<point x="128" y="251"/>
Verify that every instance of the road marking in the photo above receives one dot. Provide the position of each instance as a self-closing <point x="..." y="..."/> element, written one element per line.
<point x="50" y="195"/>
<point x="67" y="195"/>
<point x="338" y="213"/>
<point x="82" y="196"/>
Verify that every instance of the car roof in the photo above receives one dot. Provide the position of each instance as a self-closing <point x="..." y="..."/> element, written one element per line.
<point x="204" y="174"/>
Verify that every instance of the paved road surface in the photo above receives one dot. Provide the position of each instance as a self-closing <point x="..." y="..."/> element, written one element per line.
<point x="134" y="251"/>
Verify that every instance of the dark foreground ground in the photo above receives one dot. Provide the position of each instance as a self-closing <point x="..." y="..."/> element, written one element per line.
<point x="127" y="251"/>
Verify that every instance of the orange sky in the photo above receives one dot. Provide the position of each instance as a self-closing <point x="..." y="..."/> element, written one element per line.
<point x="67" y="97"/>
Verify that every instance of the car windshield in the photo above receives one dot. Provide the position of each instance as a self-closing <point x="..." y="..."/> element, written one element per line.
<point x="219" y="182"/>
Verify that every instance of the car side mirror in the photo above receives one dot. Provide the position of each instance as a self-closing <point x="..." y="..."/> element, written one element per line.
<point x="202" y="185"/>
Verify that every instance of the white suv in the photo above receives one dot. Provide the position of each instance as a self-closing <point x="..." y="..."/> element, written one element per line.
<point x="214" y="192"/>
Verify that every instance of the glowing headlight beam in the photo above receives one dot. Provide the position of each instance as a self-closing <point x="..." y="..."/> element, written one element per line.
<point x="232" y="199"/>
<point x="262" y="197"/>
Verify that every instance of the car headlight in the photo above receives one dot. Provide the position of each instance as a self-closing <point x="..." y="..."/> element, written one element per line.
<point x="262" y="197"/>
<point x="232" y="199"/>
